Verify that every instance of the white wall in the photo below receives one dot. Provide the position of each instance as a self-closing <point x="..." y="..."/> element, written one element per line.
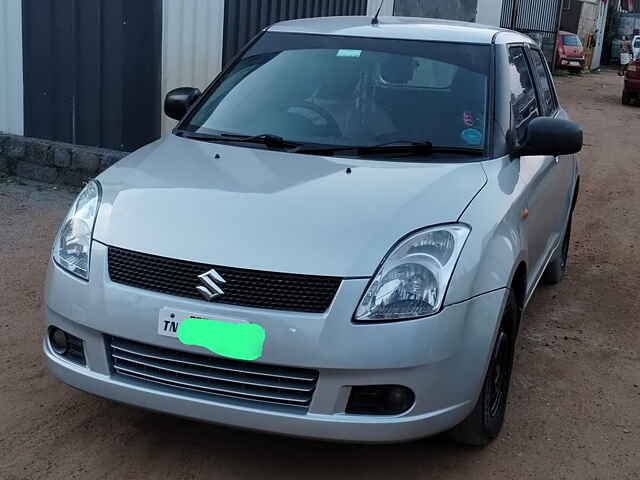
<point x="387" y="8"/>
<point x="11" y="89"/>
<point x="600" y="26"/>
<point x="192" y="35"/>
<point x="588" y="20"/>
<point x="489" y="12"/>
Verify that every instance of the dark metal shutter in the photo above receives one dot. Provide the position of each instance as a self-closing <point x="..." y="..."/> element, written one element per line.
<point x="243" y="19"/>
<point x="92" y="71"/>
<point x="540" y="19"/>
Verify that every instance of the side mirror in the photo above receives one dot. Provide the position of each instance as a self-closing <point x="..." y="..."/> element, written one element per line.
<point x="551" y="136"/>
<point x="178" y="101"/>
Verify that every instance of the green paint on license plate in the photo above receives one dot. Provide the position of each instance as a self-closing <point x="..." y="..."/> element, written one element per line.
<point x="241" y="341"/>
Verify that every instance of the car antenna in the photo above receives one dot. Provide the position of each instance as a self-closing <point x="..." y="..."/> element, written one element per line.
<point x="374" y="20"/>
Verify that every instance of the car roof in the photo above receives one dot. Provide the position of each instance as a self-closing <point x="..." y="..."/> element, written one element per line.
<point x="562" y="32"/>
<point x="404" y="28"/>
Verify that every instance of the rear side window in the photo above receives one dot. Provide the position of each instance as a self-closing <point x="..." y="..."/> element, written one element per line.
<point x="524" y="103"/>
<point x="547" y="98"/>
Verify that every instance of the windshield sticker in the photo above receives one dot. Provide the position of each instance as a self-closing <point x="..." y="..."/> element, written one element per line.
<point x="349" y="53"/>
<point x="468" y="119"/>
<point x="472" y="136"/>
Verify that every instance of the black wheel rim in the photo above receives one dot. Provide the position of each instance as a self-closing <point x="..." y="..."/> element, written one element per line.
<point x="500" y="375"/>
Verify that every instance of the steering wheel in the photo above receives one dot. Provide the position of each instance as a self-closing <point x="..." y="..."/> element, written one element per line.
<point x="331" y="125"/>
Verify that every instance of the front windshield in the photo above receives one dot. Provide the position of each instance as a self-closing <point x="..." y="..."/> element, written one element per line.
<point x="343" y="91"/>
<point x="571" y="41"/>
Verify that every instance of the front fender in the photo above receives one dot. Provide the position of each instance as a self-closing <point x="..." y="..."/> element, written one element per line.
<point x="497" y="243"/>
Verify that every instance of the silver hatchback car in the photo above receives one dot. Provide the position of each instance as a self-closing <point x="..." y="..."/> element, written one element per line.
<point x="337" y="241"/>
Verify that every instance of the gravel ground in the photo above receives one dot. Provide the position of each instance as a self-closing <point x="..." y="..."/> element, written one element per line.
<point x="574" y="410"/>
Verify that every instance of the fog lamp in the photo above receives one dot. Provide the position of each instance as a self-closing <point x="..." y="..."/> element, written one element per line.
<point x="59" y="341"/>
<point x="380" y="400"/>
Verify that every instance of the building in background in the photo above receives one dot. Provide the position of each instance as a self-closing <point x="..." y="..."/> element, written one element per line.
<point x="580" y="17"/>
<point x="629" y="6"/>
<point x="536" y="18"/>
<point x="481" y="11"/>
<point x="587" y="19"/>
<point x="540" y="19"/>
<point x="95" y="72"/>
<point x="624" y="20"/>
<point x="11" y="111"/>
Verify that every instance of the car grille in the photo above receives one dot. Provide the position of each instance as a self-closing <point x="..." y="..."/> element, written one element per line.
<point x="213" y="375"/>
<point x="247" y="288"/>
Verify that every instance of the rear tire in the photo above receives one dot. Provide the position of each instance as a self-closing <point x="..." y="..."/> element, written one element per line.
<point x="485" y="421"/>
<point x="626" y="98"/>
<point x="557" y="268"/>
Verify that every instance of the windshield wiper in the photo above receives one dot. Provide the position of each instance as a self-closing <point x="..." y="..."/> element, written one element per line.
<point x="399" y="147"/>
<point x="271" y="141"/>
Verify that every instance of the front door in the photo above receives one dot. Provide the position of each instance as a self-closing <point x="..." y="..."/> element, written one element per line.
<point x="561" y="170"/>
<point x="535" y="171"/>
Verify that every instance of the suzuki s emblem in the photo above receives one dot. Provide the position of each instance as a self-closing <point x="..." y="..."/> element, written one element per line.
<point x="210" y="287"/>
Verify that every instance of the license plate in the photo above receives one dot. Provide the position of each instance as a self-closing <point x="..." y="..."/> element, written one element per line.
<point x="574" y="64"/>
<point x="169" y="321"/>
<point x="240" y="340"/>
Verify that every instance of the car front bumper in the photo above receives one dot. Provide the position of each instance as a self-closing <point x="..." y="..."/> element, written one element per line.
<point x="572" y="62"/>
<point x="442" y="358"/>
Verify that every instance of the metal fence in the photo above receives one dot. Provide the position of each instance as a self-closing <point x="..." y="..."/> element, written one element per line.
<point x="92" y="71"/>
<point x="540" y="19"/>
<point x="244" y="18"/>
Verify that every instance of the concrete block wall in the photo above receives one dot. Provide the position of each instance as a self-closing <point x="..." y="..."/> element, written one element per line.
<point x="53" y="162"/>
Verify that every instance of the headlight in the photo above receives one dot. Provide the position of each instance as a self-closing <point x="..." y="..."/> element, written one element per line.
<point x="413" y="278"/>
<point x="72" y="247"/>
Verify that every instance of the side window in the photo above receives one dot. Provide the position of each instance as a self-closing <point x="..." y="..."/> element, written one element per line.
<point x="547" y="98"/>
<point x="524" y="103"/>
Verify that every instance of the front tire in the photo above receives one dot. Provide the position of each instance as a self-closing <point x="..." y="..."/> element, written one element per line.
<point x="626" y="98"/>
<point x="485" y="421"/>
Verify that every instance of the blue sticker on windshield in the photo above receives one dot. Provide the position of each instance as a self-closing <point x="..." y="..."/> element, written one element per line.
<point x="472" y="136"/>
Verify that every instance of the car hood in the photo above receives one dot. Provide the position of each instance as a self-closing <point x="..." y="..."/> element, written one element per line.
<point x="267" y="210"/>
<point x="573" y="52"/>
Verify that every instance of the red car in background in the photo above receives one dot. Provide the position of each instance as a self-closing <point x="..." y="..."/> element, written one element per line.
<point x="570" y="52"/>
<point x="631" y="83"/>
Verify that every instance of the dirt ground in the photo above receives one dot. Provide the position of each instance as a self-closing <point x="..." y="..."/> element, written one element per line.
<point x="574" y="411"/>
